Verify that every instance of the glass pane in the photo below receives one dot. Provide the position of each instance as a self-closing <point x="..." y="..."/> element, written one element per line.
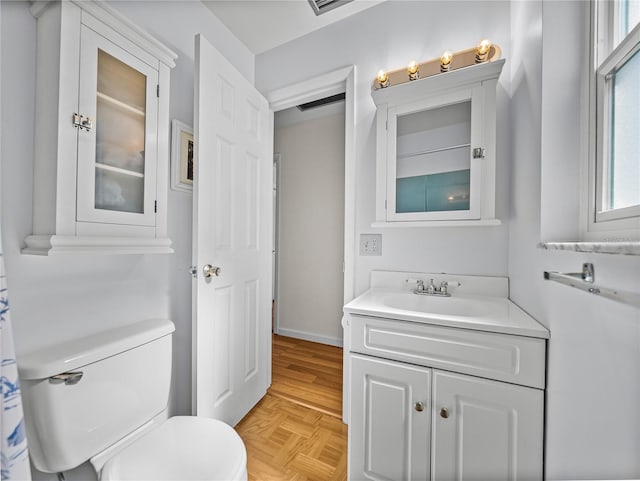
<point x="628" y="18"/>
<point x="433" y="193"/>
<point x="624" y="157"/>
<point x="433" y="159"/>
<point x="120" y="136"/>
<point x="119" y="191"/>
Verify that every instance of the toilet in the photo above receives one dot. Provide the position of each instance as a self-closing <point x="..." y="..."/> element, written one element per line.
<point x="103" y="399"/>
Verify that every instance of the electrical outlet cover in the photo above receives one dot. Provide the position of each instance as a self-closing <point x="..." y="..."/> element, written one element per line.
<point x="370" y="244"/>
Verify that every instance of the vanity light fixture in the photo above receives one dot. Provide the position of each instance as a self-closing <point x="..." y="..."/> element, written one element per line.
<point x="413" y="70"/>
<point x="482" y="51"/>
<point x="383" y="79"/>
<point x="445" y="61"/>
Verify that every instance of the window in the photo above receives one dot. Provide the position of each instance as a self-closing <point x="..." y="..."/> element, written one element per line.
<point x="615" y="115"/>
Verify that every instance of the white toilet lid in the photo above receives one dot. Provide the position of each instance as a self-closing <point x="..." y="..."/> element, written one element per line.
<point x="182" y="448"/>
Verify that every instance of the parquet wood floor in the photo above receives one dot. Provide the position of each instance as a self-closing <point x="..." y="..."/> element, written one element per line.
<point x="295" y="433"/>
<point x="307" y="373"/>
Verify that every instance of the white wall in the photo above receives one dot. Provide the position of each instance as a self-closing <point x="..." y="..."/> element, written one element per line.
<point x="311" y="228"/>
<point x="388" y="36"/>
<point x="59" y="298"/>
<point x="593" y="421"/>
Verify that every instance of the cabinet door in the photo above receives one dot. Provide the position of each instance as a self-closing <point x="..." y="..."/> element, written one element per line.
<point x="117" y="157"/>
<point x="388" y="430"/>
<point x="485" y="429"/>
<point x="432" y="173"/>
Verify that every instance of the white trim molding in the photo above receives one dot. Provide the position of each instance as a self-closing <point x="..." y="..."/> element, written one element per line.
<point x="309" y="336"/>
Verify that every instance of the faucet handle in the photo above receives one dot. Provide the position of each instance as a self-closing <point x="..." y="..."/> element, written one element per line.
<point x="420" y="285"/>
<point x="444" y="285"/>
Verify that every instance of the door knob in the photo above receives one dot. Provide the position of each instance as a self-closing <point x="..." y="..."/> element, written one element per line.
<point x="208" y="270"/>
<point x="444" y="413"/>
<point x="419" y="406"/>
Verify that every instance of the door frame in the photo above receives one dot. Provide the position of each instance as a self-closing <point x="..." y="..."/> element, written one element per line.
<point x="317" y="87"/>
<point x="276" y="241"/>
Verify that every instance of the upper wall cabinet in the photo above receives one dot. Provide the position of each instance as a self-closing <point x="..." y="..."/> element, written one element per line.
<point x="436" y="149"/>
<point x="101" y="133"/>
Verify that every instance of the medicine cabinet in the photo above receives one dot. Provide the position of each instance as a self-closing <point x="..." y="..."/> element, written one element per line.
<point x="436" y="149"/>
<point x="101" y="133"/>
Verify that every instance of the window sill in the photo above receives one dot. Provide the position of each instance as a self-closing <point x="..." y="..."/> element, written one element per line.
<point x="620" y="248"/>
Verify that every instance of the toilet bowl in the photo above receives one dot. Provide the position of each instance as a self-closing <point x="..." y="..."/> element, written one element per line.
<point x="181" y="448"/>
<point x="103" y="399"/>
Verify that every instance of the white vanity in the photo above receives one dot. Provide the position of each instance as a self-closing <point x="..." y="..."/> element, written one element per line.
<point x="441" y="387"/>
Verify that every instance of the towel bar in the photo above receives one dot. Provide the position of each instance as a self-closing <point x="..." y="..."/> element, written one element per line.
<point x="584" y="282"/>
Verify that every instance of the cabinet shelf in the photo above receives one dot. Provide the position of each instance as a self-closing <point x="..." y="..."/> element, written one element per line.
<point x="119" y="104"/>
<point x="437" y="223"/>
<point x="119" y="170"/>
<point x="432" y="151"/>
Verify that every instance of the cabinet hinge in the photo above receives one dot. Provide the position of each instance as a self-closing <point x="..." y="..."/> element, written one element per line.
<point x="155" y="206"/>
<point x="158" y="90"/>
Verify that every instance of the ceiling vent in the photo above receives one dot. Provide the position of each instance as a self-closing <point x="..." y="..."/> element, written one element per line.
<point x="320" y="102"/>
<point x="323" y="6"/>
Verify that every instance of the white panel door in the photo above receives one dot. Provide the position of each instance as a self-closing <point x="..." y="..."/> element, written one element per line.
<point x="390" y="421"/>
<point x="232" y="230"/>
<point x="485" y="429"/>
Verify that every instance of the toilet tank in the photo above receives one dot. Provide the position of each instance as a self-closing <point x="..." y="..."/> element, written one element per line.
<point x="126" y="375"/>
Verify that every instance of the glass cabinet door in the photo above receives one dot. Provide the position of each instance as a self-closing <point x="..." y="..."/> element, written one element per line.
<point x="432" y="171"/>
<point x="117" y="155"/>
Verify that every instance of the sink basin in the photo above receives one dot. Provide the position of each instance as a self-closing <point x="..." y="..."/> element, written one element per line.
<point x="444" y="306"/>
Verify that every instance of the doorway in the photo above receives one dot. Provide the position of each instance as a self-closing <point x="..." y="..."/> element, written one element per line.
<point x="319" y="87"/>
<point x="309" y="142"/>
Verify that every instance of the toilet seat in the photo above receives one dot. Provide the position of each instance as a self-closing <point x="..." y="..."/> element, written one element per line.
<point x="182" y="448"/>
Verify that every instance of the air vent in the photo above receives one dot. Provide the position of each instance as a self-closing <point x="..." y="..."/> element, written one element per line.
<point x="323" y="6"/>
<point x="320" y="102"/>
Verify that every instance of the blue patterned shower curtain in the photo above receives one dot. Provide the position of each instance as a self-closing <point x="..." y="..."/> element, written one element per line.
<point x="15" y="456"/>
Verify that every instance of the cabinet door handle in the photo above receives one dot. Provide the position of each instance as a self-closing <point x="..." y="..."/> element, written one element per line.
<point x="419" y="406"/>
<point x="444" y="413"/>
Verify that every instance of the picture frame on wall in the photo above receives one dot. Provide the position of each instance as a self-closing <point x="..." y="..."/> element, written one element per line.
<point x="182" y="151"/>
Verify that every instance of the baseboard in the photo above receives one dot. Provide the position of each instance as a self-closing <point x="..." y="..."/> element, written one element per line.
<point x="307" y="336"/>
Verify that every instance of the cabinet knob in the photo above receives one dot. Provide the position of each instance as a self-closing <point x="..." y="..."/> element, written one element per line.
<point x="208" y="270"/>
<point x="419" y="406"/>
<point x="444" y="413"/>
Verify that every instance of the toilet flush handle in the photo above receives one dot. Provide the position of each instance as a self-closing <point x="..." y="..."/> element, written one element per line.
<point x="69" y="378"/>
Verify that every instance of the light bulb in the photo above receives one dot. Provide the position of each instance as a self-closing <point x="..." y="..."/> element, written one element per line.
<point x="413" y="70"/>
<point x="445" y="61"/>
<point x="482" y="51"/>
<point x="383" y="79"/>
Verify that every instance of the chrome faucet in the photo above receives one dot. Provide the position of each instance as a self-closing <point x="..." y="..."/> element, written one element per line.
<point x="433" y="290"/>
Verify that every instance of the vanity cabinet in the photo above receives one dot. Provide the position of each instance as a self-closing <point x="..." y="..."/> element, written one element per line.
<point x="431" y="403"/>
<point x="101" y="133"/>
<point x="436" y="149"/>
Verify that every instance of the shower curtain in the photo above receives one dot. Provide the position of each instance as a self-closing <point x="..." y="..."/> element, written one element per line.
<point x="14" y="452"/>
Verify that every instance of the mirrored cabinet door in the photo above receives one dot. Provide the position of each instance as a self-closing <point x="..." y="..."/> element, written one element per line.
<point x="117" y="154"/>
<point x="433" y="173"/>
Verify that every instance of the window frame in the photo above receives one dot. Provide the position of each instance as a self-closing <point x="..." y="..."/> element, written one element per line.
<point x="617" y="224"/>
